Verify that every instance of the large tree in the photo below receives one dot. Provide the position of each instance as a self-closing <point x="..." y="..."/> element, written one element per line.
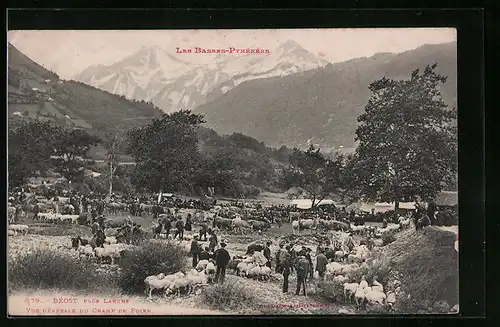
<point x="71" y="152"/>
<point x="407" y="140"/>
<point x="30" y="145"/>
<point x="166" y="151"/>
<point x="315" y="173"/>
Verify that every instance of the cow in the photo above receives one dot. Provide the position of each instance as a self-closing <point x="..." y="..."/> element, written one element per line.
<point x="259" y="225"/>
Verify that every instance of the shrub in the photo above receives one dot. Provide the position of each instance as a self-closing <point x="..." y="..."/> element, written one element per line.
<point x="331" y="291"/>
<point x="151" y="258"/>
<point x="230" y="295"/>
<point x="381" y="271"/>
<point x="47" y="269"/>
<point x="355" y="275"/>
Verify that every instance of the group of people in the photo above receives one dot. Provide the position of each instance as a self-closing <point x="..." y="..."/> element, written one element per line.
<point x="220" y="255"/>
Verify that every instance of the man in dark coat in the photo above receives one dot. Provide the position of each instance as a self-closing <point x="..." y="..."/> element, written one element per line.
<point x="167" y="224"/>
<point x="285" y="263"/>
<point x="203" y="231"/>
<point x="221" y="261"/>
<point x="321" y="262"/>
<point x="278" y="259"/>
<point x="195" y="250"/>
<point x="212" y="242"/>
<point x="302" y="267"/>
<point x="189" y="224"/>
<point x="267" y="254"/>
<point x="179" y="225"/>
<point x="308" y="257"/>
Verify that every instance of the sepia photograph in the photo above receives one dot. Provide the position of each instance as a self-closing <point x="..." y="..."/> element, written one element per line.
<point x="232" y="172"/>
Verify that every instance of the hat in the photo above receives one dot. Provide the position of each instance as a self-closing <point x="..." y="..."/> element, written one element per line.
<point x="269" y="243"/>
<point x="223" y="244"/>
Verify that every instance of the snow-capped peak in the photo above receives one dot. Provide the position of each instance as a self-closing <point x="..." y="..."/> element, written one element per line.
<point x="172" y="83"/>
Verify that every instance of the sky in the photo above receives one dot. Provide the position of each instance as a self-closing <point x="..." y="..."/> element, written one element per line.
<point x="68" y="52"/>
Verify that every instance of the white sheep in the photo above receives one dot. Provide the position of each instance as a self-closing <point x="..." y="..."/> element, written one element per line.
<point x="19" y="228"/>
<point x="11" y="233"/>
<point x="339" y="255"/>
<point x="202" y="264"/>
<point x="265" y="273"/>
<point x="243" y="268"/>
<point x="335" y="268"/>
<point x="86" y="251"/>
<point x="359" y="296"/>
<point x="210" y="270"/>
<point x="177" y="285"/>
<point x="350" y="290"/>
<point x="110" y="240"/>
<point x="375" y="297"/>
<point x="156" y="283"/>
<point x="376" y="286"/>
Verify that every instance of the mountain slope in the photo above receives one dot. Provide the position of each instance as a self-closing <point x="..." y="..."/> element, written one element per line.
<point x="320" y="105"/>
<point x="172" y="84"/>
<point x="34" y="92"/>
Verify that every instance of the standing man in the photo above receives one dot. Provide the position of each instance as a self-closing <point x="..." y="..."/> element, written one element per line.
<point x="302" y="267"/>
<point x="188" y="225"/>
<point x="278" y="259"/>
<point x="167" y="224"/>
<point x="321" y="262"/>
<point x="267" y="253"/>
<point x="309" y="259"/>
<point x="285" y="263"/>
<point x="180" y="228"/>
<point x="213" y="242"/>
<point x="221" y="261"/>
<point x="203" y="231"/>
<point x="195" y="250"/>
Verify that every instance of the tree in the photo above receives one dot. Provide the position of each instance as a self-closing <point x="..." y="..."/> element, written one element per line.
<point x="407" y="140"/>
<point x="30" y="145"/>
<point x="70" y="152"/>
<point x="166" y="151"/>
<point x="315" y="173"/>
<point x="113" y="143"/>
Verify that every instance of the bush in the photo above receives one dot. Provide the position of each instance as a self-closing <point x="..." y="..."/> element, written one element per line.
<point x="151" y="258"/>
<point x="47" y="269"/>
<point x="230" y="295"/>
<point x="331" y="291"/>
<point x="381" y="271"/>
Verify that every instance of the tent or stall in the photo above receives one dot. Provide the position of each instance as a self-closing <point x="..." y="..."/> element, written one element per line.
<point x="381" y="207"/>
<point x="447" y="199"/>
<point x="306" y="204"/>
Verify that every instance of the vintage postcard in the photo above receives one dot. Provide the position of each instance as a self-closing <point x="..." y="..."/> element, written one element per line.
<point x="232" y="172"/>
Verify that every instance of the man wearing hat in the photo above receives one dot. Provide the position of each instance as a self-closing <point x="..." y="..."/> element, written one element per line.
<point x="285" y="263"/>
<point x="195" y="250"/>
<point x="321" y="262"/>
<point x="302" y="268"/>
<point x="222" y="258"/>
<point x="267" y="253"/>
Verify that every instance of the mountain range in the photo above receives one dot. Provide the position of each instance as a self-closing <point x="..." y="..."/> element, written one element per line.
<point x="304" y="101"/>
<point x="321" y="105"/>
<point x="172" y="83"/>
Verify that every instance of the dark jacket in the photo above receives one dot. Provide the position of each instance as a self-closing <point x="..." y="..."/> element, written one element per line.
<point x="267" y="253"/>
<point x="195" y="248"/>
<point x="321" y="262"/>
<point x="302" y="267"/>
<point x="222" y="258"/>
<point x="285" y="260"/>
<point x="179" y="224"/>
<point x="167" y="223"/>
